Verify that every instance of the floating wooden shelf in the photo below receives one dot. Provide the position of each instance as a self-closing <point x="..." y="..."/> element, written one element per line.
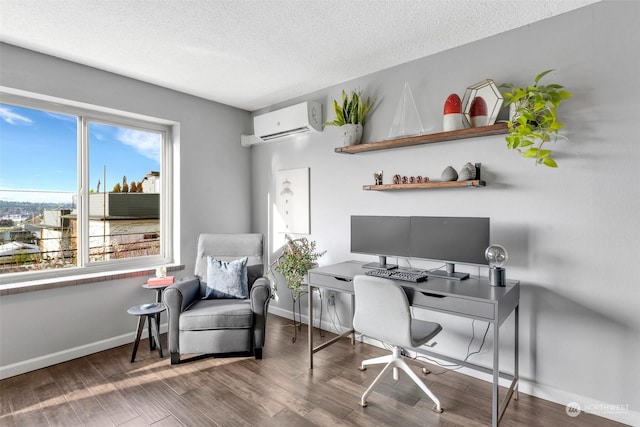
<point x="497" y="129"/>
<point x="443" y="184"/>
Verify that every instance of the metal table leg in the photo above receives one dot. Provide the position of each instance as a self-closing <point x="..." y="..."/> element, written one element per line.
<point x="141" y="320"/>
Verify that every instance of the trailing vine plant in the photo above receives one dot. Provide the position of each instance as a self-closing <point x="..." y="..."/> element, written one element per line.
<point x="535" y="118"/>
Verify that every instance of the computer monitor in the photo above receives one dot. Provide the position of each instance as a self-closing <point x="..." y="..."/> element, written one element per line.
<point x="452" y="240"/>
<point x="382" y="236"/>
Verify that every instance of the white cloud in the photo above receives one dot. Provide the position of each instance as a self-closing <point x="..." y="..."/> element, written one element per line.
<point x="12" y="118"/>
<point x="63" y="117"/>
<point x="145" y="143"/>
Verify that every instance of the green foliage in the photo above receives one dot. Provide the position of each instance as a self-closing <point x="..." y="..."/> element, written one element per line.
<point x="297" y="258"/>
<point x="535" y="121"/>
<point x="353" y="109"/>
<point x="23" y="258"/>
<point x="117" y="188"/>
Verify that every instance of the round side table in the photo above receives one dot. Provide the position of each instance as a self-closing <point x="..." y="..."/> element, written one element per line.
<point x="158" y="289"/>
<point x="150" y="312"/>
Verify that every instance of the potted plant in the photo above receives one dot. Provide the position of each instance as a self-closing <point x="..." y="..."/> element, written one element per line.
<point x="534" y="118"/>
<point x="351" y="115"/>
<point x="297" y="258"/>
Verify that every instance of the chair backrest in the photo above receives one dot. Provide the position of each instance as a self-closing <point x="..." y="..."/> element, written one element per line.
<point x="382" y="310"/>
<point x="228" y="247"/>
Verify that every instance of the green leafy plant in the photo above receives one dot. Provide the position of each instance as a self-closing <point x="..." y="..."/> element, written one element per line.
<point x="535" y="119"/>
<point x="297" y="258"/>
<point x="352" y="110"/>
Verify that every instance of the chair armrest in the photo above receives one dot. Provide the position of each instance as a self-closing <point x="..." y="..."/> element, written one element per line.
<point x="260" y="294"/>
<point x="260" y="298"/>
<point x="177" y="298"/>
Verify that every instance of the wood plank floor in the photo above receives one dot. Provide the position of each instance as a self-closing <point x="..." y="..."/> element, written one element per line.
<point x="105" y="389"/>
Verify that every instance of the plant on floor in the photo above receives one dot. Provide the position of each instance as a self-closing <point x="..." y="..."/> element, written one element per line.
<point x="534" y="118"/>
<point x="297" y="258"/>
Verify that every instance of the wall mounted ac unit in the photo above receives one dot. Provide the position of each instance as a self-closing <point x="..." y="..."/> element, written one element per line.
<point x="299" y="118"/>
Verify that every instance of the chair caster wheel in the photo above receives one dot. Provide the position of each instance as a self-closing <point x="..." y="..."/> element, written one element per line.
<point x="425" y="371"/>
<point x="436" y="410"/>
<point x="362" y="368"/>
<point x="364" y="405"/>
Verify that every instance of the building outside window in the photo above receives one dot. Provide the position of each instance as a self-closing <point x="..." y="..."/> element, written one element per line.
<point x="81" y="190"/>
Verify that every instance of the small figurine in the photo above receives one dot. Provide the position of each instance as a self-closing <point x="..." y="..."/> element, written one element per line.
<point x="378" y="177"/>
<point x="405" y="180"/>
<point x="412" y="180"/>
<point x="396" y="179"/>
<point x="419" y="179"/>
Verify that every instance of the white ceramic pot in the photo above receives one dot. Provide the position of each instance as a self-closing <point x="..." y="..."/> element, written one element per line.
<point x="352" y="134"/>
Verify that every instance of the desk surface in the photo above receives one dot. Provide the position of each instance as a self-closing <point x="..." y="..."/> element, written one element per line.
<point x="474" y="296"/>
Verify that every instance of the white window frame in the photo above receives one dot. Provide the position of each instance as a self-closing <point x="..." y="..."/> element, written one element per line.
<point x="87" y="114"/>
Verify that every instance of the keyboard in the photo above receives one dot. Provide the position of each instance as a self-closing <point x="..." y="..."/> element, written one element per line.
<point x="406" y="276"/>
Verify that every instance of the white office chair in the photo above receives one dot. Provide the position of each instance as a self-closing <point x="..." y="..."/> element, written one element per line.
<point x="383" y="313"/>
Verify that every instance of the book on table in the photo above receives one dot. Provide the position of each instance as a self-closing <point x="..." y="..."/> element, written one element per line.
<point x="160" y="281"/>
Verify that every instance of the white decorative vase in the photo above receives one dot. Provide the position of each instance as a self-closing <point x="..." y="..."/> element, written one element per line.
<point x="352" y="134"/>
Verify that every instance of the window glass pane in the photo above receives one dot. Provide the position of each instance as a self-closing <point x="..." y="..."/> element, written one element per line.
<point x="38" y="182"/>
<point x="124" y="199"/>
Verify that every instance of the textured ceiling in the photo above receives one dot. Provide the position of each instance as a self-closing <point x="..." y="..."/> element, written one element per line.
<point x="255" y="53"/>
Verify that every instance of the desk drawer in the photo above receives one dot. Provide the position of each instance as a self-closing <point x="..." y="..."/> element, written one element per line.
<point x="331" y="282"/>
<point x="454" y="305"/>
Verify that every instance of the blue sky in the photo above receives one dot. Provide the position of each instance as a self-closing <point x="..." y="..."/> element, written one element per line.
<point x="38" y="152"/>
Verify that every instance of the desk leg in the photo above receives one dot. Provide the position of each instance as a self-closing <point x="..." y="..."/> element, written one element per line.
<point x="353" y="310"/>
<point x="517" y="338"/>
<point x="496" y="375"/>
<point x="310" y="328"/>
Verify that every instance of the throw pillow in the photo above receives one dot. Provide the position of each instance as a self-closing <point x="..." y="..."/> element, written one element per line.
<point x="227" y="279"/>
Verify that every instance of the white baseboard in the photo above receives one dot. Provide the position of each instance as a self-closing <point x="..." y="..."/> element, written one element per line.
<point x="70" y="354"/>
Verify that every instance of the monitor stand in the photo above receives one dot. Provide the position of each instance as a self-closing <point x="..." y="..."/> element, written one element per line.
<point x="381" y="264"/>
<point x="449" y="273"/>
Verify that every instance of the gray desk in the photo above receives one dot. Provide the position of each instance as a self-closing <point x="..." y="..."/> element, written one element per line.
<point x="473" y="298"/>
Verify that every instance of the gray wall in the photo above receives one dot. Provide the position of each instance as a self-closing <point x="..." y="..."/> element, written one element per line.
<point x="572" y="233"/>
<point x="213" y="173"/>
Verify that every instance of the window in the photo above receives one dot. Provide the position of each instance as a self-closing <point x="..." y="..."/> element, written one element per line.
<point x="81" y="190"/>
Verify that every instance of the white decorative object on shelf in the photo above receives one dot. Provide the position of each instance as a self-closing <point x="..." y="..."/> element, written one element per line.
<point x="406" y="121"/>
<point x="452" y="118"/>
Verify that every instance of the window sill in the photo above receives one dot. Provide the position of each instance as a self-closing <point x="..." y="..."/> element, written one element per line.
<point x="84" y="279"/>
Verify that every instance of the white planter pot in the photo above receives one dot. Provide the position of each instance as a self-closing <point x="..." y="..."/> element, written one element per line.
<point x="352" y="134"/>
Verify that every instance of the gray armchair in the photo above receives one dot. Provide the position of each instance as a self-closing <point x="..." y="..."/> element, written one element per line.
<point x="213" y="326"/>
